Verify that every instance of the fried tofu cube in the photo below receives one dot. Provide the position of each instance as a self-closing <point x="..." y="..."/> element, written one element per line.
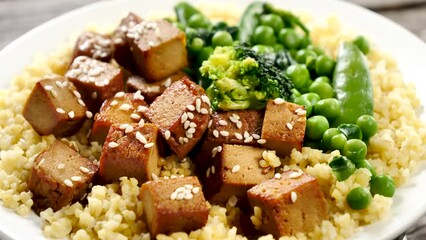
<point x="241" y="127"/>
<point x="131" y="151"/>
<point x="95" y="80"/>
<point x="60" y="176"/>
<point x="94" y="45"/>
<point x="173" y="205"/>
<point x="122" y="53"/>
<point x="182" y="114"/>
<point x="122" y="108"/>
<point x="151" y="90"/>
<point x="235" y="170"/>
<point x="284" y="127"/>
<point x="55" y="107"/>
<point x="289" y="205"/>
<point x="159" y="49"/>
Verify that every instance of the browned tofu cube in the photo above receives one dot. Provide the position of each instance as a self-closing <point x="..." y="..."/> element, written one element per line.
<point x="122" y="108"/>
<point x="235" y="170"/>
<point x="240" y="127"/>
<point x="159" y="49"/>
<point x="289" y="205"/>
<point x="182" y="114"/>
<point x="284" y="127"/>
<point x="55" y="107"/>
<point x="173" y="205"/>
<point x="95" y="80"/>
<point x="151" y="90"/>
<point x="131" y="151"/>
<point x="122" y="53"/>
<point x="59" y="177"/>
<point x="94" y="45"/>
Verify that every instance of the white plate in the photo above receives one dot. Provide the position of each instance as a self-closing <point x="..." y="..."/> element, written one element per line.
<point x="409" y="51"/>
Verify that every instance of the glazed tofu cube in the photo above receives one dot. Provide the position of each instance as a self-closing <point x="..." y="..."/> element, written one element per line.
<point x="122" y="108"/>
<point x="95" y="80"/>
<point x="173" y="205"/>
<point x="298" y="198"/>
<point x="151" y="90"/>
<point x="159" y="49"/>
<point x="130" y="150"/>
<point x="55" y="107"/>
<point x="235" y="170"/>
<point x="182" y="114"/>
<point x="284" y="127"/>
<point x="59" y="177"/>
<point x="94" y="45"/>
<point x="122" y="53"/>
<point x="240" y="127"/>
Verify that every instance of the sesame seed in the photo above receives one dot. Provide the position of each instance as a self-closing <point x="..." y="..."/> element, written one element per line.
<point x="204" y="111"/>
<point x="81" y="102"/>
<point x="185" y="140"/>
<point x="167" y="134"/>
<point x="246" y="134"/>
<point x="236" y="116"/>
<point x="173" y="195"/>
<point x="180" y="196"/>
<point x="261" y="141"/>
<point x="239" y="136"/>
<point x="41" y="162"/>
<point x="141" y="122"/>
<point x="214" y="152"/>
<point x="54" y="94"/>
<point x="193" y="125"/>
<point x="189" y="135"/>
<point x="301" y="113"/>
<point x="295" y="174"/>
<point x="190" y="115"/>
<point x="135" y="116"/>
<point x="188" y="196"/>
<point x="239" y="124"/>
<point x="119" y="95"/>
<point x="213" y="169"/>
<point x="154" y="177"/>
<point x="186" y="124"/>
<point x="148" y="145"/>
<point x="84" y="170"/>
<point x="60" y="110"/>
<point x="195" y="190"/>
<point x="167" y="83"/>
<point x="233" y="119"/>
<point x="76" y="178"/>
<point x="198" y="105"/>
<point x="210" y="123"/>
<point x="215" y="133"/>
<point x="183" y="118"/>
<point x="89" y="114"/>
<point x="223" y="122"/>
<point x="219" y="148"/>
<point x="277" y="176"/>
<point x="71" y="114"/>
<point x="188" y="186"/>
<point x="129" y="129"/>
<point x="123" y="126"/>
<point x="293" y="197"/>
<point x="235" y="169"/>
<point x="289" y="126"/>
<point x="112" y="144"/>
<point x="48" y="88"/>
<point x="232" y="201"/>
<point x="205" y="99"/>
<point x="68" y="183"/>
<point x="141" y="138"/>
<point x="224" y="133"/>
<point x="142" y="109"/>
<point x="255" y="136"/>
<point x="181" y="140"/>
<point x="65" y="84"/>
<point x="208" y="173"/>
<point x="138" y="96"/>
<point x="59" y="84"/>
<point x="125" y="107"/>
<point x="61" y="166"/>
<point x="113" y="102"/>
<point x="249" y="139"/>
<point x="190" y="107"/>
<point x="279" y="101"/>
<point x="191" y="130"/>
<point x="76" y="93"/>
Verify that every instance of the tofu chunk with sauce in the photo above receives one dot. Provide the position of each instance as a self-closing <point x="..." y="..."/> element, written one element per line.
<point x="60" y="176"/>
<point x="122" y="53"/>
<point x="182" y="114"/>
<point x="151" y="90"/>
<point x="131" y="151"/>
<point x="159" y="49"/>
<point x="173" y="205"/>
<point x="120" y="109"/>
<point x="95" y="80"/>
<point x="94" y="45"/>
<point x="284" y="127"/>
<point x="289" y="205"/>
<point x="234" y="171"/>
<point x="54" y="106"/>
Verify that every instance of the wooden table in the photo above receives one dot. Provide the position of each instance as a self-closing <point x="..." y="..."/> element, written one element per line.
<point x="19" y="16"/>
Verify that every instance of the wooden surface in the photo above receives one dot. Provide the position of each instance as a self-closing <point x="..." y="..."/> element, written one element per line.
<point x="19" y="16"/>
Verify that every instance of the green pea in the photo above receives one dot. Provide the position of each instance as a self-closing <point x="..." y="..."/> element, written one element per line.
<point x="304" y="102"/>
<point x="289" y="38"/>
<point x="303" y="54"/>
<point x="323" y="79"/>
<point x="324" y="90"/>
<point x="272" y="20"/>
<point x="324" y="65"/>
<point x="366" y="164"/>
<point x="204" y="54"/>
<point x="368" y="125"/>
<point x="312" y="97"/>
<point x="262" y="49"/>
<point x="338" y="141"/>
<point x="382" y="185"/>
<point x="316" y="126"/>
<point x="362" y="43"/>
<point x="222" y="38"/>
<point x="198" y="21"/>
<point x="359" y="198"/>
<point x="278" y="47"/>
<point x="299" y="75"/>
<point x="328" y="134"/>
<point x="342" y="167"/>
<point x="197" y="44"/>
<point x="296" y="92"/>
<point x="316" y="49"/>
<point x="264" y="35"/>
<point x="355" y="150"/>
<point x="329" y="108"/>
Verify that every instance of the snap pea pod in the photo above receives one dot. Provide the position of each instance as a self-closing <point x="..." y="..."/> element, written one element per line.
<point x="352" y="84"/>
<point x="249" y="20"/>
<point x="184" y="11"/>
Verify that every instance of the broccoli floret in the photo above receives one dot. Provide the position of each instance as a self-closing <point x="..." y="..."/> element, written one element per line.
<point x="241" y="79"/>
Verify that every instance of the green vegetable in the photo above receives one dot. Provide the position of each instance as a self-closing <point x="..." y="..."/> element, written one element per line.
<point x="184" y="11"/>
<point x="222" y="38"/>
<point x="362" y="43"/>
<point x="382" y="185"/>
<point x="329" y="108"/>
<point x="196" y="45"/>
<point x="240" y="79"/>
<point x="316" y="49"/>
<point x="355" y="150"/>
<point x="366" y="164"/>
<point x="299" y="75"/>
<point x="249" y="21"/>
<point x="338" y="141"/>
<point x="323" y="79"/>
<point x="296" y="93"/>
<point x="359" y="198"/>
<point x="368" y="125"/>
<point x="324" y="65"/>
<point x="351" y="131"/>
<point x="262" y="49"/>
<point x="342" y="167"/>
<point x="316" y="126"/>
<point x="352" y="84"/>
<point x="263" y="35"/>
<point x="290" y="38"/>
<point x="324" y="90"/>
<point x="313" y="98"/>
<point x="304" y="102"/>
<point x="304" y="54"/>
<point x="328" y="134"/>
<point x="288" y="18"/>
<point x="198" y="21"/>
<point x="272" y="20"/>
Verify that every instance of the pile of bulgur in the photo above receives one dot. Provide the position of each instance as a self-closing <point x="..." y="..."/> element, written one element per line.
<point x="114" y="211"/>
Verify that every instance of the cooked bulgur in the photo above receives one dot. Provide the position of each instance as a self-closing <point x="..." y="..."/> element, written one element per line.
<point x="114" y="212"/>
